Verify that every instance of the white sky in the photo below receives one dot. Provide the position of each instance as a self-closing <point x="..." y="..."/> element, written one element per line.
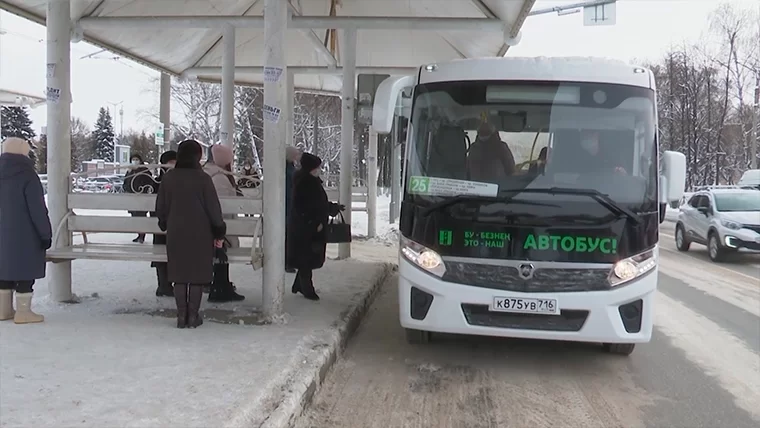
<point x="645" y="29"/>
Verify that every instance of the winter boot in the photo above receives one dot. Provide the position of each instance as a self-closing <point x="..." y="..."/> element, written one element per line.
<point x="194" y="297"/>
<point x="180" y="296"/>
<point x="164" y="286"/>
<point x="222" y="290"/>
<point x="6" y="305"/>
<point x="24" y="314"/>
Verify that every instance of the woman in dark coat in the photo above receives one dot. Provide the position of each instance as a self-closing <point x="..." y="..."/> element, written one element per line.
<point x="25" y="232"/>
<point x="138" y="180"/>
<point x="168" y="159"/>
<point x="188" y="210"/>
<point x="309" y="212"/>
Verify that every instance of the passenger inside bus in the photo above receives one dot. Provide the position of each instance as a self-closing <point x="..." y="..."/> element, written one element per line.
<point x="489" y="158"/>
<point x="596" y="160"/>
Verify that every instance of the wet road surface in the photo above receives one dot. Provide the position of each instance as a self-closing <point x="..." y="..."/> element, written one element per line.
<point x="702" y="368"/>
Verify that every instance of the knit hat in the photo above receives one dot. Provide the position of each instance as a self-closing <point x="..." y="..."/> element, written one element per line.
<point x="309" y="162"/>
<point x="16" y="146"/>
<point x="222" y="155"/>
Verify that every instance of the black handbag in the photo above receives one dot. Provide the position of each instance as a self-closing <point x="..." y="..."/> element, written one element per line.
<point x="338" y="233"/>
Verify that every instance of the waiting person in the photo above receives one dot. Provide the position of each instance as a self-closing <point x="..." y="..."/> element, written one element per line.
<point x="292" y="156"/>
<point x="307" y="219"/>
<point x="25" y="232"/>
<point x="138" y="180"/>
<point x="188" y="210"/>
<point x="220" y="171"/>
<point x="165" y="288"/>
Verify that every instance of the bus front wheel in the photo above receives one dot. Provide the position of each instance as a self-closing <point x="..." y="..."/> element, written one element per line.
<point x="619" y="348"/>
<point x="417" y="337"/>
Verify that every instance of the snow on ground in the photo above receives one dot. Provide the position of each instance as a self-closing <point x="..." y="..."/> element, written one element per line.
<point x="671" y="214"/>
<point x="116" y="358"/>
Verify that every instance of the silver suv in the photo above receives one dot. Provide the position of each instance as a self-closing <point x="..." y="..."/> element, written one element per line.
<point x="726" y="220"/>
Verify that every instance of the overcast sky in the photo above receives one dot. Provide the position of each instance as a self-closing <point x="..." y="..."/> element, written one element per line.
<point x="645" y="30"/>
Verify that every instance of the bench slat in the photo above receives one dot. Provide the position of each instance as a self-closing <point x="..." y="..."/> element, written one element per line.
<point x="104" y="224"/>
<point x="131" y="253"/>
<point x="137" y="202"/>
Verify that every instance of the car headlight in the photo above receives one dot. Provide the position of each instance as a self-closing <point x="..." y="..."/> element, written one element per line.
<point x="423" y="257"/>
<point x="633" y="267"/>
<point x="731" y="224"/>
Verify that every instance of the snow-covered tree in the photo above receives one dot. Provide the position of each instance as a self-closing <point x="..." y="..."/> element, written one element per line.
<point x="103" y="136"/>
<point x="16" y="123"/>
<point x="244" y="147"/>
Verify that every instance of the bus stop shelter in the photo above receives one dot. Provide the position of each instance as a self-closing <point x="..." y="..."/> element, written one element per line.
<point x="282" y="44"/>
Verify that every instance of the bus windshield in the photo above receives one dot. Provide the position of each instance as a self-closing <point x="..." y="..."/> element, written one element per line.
<point x="487" y="138"/>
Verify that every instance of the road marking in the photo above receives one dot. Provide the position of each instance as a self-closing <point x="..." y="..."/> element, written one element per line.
<point x="736" y="272"/>
<point x="719" y="353"/>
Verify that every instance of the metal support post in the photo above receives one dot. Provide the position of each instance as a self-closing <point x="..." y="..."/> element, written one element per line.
<point x="228" y="86"/>
<point x="58" y="135"/>
<point x="289" y="110"/>
<point x="275" y="99"/>
<point x="164" y="112"/>
<point x="755" y="124"/>
<point x="372" y="184"/>
<point x="347" y="131"/>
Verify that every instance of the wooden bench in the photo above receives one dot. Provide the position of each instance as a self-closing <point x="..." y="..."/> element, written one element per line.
<point x="247" y="224"/>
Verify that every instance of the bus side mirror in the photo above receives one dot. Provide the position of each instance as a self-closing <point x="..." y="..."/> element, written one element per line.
<point x="673" y="178"/>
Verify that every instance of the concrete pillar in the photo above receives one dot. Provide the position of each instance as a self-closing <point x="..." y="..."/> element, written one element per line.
<point x="228" y="86"/>
<point x="59" y="135"/>
<point x="372" y="184"/>
<point x="164" y="112"/>
<point x="275" y="100"/>
<point x="347" y="131"/>
<point x="288" y="110"/>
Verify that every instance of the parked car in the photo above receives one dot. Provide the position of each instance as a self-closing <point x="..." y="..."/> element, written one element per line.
<point x="750" y="179"/>
<point x="97" y="184"/>
<point x="726" y="220"/>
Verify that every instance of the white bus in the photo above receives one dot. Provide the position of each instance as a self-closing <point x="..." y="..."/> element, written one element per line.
<point x="531" y="202"/>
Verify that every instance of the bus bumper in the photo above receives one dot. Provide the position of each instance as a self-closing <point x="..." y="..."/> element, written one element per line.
<point x="622" y="315"/>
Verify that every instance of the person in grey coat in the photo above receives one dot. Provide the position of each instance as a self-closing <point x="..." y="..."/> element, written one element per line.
<point x="25" y="232"/>
<point x="189" y="211"/>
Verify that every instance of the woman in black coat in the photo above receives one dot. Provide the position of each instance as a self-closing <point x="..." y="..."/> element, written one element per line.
<point x="25" y="232"/>
<point x="168" y="159"/>
<point x="139" y="180"/>
<point x="307" y="219"/>
<point x="188" y="210"/>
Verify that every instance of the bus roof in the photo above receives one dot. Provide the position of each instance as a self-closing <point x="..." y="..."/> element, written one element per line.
<point x="567" y="69"/>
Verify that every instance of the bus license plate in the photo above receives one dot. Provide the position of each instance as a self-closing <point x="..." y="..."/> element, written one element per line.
<point x="525" y="306"/>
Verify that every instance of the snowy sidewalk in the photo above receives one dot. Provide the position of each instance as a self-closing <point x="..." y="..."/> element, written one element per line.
<point x="117" y="360"/>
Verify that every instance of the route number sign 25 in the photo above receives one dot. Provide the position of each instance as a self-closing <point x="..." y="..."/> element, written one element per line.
<point x="419" y="184"/>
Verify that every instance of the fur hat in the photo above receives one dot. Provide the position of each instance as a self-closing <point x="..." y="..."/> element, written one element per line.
<point x="16" y="146"/>
<point x="168" y="156"/>
<point x="222" y="155"/>
<point x="309" y="162"/>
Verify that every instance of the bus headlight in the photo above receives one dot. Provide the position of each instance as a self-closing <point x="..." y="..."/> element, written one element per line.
<point x="633" y="267"/>
<point x="423" y="257"/>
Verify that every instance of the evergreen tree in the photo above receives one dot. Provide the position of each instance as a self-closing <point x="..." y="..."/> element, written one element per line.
<point x="16" y="123"/>
<point x="103" y="137"/>
<point x="42" y="154"/>
<point x="244" y="148"/>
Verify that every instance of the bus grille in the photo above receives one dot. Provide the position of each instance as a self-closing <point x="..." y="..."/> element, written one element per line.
<point x="544" y="280"/>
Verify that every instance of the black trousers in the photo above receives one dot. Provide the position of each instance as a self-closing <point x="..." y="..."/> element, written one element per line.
<point x="304" y="281"/>
<point x="139" y="214"/>
<point x="22" y="287"/>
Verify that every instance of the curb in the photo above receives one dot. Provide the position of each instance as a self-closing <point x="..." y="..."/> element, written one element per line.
<point x="311" y="377"/>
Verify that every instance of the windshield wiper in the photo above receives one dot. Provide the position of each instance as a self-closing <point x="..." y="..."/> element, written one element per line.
<point x="603" y="199"/>
<point x="485" y="199"/>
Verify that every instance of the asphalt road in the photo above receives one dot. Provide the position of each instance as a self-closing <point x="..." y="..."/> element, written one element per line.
<point x="702" y="368"/>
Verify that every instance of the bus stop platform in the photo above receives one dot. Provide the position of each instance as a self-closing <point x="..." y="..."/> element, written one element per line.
<point x="116" y="358"/>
